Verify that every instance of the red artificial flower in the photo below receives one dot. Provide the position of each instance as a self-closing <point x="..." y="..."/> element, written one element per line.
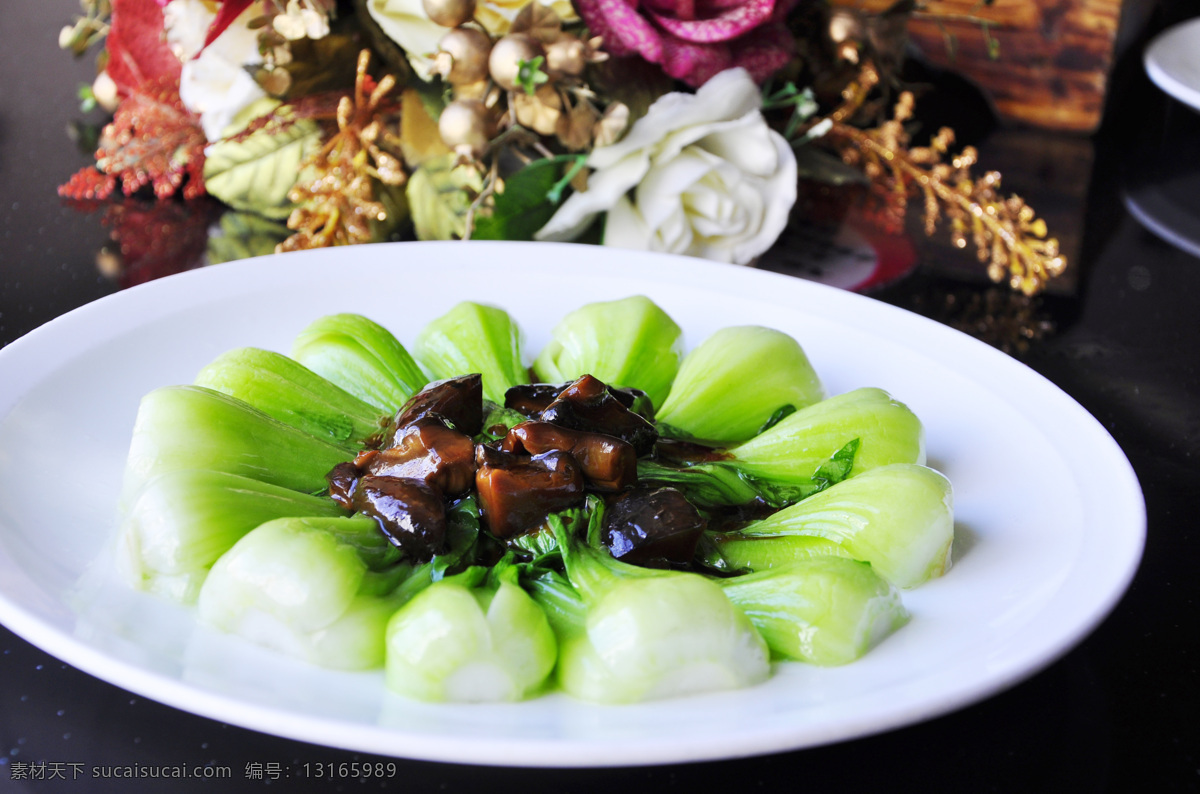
<point x="695" y="39"/>
<point x="152" y="140"/>
<point x="137" y="46"/>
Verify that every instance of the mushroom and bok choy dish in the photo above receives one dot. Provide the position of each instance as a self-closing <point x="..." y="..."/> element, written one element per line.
<point x="618" y="521"/>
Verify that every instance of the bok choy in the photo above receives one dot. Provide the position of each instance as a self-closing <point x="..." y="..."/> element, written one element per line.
<point x="306" y="586"/>
<point x="645" y="633"/>
<point x="899" y="518"/>
<point x="735" y="381"/>
<point x="191" y="427"/>
<point x="473" y="637"/>
<point x="804" y="453"/>
<point x="290" y="392"/>
<point x="823" y="610"/>
<point x="625" y="343"/>
<point x="511" y="537"/>
<point x="182" y="521"/>
<point x="360" y="356"/>
<point x="473" y="337"/>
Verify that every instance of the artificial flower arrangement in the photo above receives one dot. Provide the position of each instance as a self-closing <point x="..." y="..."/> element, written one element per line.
<point x="682" y="126"/>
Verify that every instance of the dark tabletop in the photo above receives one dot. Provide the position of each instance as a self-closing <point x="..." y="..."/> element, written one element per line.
<point x="1120" y="333"/>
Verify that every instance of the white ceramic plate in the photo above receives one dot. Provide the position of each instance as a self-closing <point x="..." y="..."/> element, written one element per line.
<point x="1173" y="62"/>
<point x="1050" y="519"/>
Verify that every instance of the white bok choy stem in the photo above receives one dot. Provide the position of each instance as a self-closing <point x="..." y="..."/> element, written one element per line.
<point x="473" y="637"/>
<point x="646" y="634"/>
<point x="303" y="586"/>
<point x="182" y="521"/>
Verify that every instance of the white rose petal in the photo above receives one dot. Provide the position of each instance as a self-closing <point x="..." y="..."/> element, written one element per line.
<point x="405" y="22"/>
<point x="215" y="84"/>
<point x="185" y="24"/>
<point x="700" y="174"/>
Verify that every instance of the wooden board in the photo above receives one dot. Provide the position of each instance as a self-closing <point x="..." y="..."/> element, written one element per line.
<point x="1050" y="60"/>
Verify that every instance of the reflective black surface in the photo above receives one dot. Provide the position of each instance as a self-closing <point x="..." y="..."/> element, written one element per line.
<point x="1121" y="334"/>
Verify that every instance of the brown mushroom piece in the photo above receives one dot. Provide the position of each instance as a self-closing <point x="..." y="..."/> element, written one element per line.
<point x="343" y="479"/>
<point x="410" y="513"/>
<point x="429" y="451"/>
<point x="588" y="405"/>
<point x="635" y="400"/>
<point x="458" y="400"/>
<point x="644" y="526"/>
<point x="517" y="492"/>
<point x="607" y="462"/>
<point x="677" y="452"/>
<point x="531" y="399"/>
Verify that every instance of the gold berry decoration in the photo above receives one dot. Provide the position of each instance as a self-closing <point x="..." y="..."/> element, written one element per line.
<point x="462" y="57"/>
<point x="449" y="13"/>
<point x="465" y="126"/>
<point x="507" y="56"/>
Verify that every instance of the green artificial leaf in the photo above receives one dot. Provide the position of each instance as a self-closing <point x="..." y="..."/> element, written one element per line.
<point x="255" y="173"/>
<point x="243" y="235"/>
<point x="439" y="194"/>
<point x="523" y="207"/>
<point x="816" y="165"/>
<point x="396" y="213"/>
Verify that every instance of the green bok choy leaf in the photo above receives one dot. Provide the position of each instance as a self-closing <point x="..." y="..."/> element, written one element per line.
<point x="473" y="337"/>
<point x="362" y="357"/>
<point x="625" y="343"/>
<point x="899" y="518"/>
<point x="290" y="392"/>
<point x="735" y="381"/>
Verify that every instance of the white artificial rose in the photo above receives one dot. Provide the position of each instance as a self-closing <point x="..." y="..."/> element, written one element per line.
<point x="406" y="23"/>
<point x="215" y="84"/>
<point x="185" y="23"/>
<point x="700" y="174"/>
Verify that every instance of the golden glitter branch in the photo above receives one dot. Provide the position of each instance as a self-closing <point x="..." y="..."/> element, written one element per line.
<point x="338" y="197"/>
<point x="1006" y="232"/>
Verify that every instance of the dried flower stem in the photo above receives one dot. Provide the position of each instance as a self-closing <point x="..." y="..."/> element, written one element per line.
<point x="338" y="205"/>
<point x="1005" y="230"/>
<point x="489" y="188"/>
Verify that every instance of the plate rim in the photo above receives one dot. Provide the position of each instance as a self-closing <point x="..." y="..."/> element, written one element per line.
<point x="374" y="739"/>
<point x="1164" y="77"/>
